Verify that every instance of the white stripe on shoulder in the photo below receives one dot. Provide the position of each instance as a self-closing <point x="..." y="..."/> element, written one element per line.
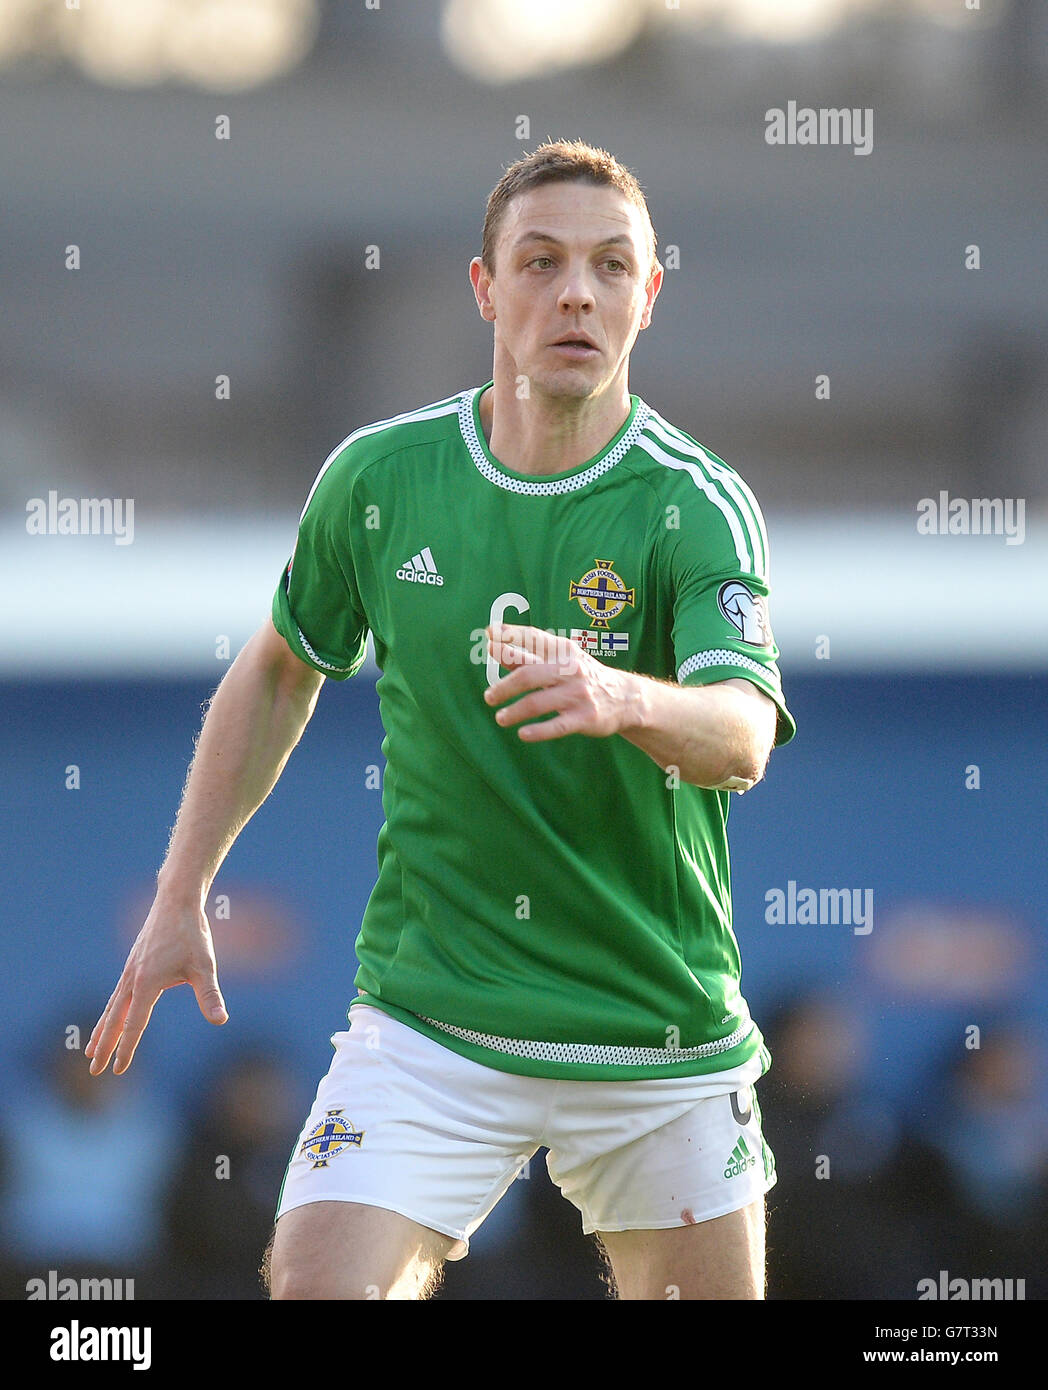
<point x="712" y="491"/>
<point x="427" y="412"/>
<point x="735" y="486"/>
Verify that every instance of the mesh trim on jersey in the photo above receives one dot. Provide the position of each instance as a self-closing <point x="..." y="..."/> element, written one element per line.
<point x="722" y="657"/>
<point x="561" y="485"/>
<point x="313" y="656"/>
<point x="596" y="1052"/>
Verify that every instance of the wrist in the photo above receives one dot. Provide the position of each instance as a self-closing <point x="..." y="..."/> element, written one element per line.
<point x="635" y="703"/>
<point x="179" y="892"/>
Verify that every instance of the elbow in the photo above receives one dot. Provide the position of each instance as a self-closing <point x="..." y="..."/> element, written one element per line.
<point x="743" y="770"/>
<point x="740" y="781"/>
<point x="749" y="747"/>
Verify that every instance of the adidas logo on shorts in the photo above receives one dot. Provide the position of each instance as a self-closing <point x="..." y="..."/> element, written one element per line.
<point x="420" y="569"/>
<point x="740" y="1160"/>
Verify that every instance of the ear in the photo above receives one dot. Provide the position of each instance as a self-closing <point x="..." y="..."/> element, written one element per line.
<point x="651" y="294"/>
<point x="482" y="283"/>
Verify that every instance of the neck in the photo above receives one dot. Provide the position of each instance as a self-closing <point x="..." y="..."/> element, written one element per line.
<point x="549" y="434"/>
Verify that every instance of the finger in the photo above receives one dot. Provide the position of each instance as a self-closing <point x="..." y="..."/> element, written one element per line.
<point x="550" y="729"/>
<point x="89" y="1050"/>
<point x="534" y="638"/>
<point x="539" y="645"/>
<point x="96" y="1032"/>
<point x="532" y="706"/>
<point x="524" y="678"/>
<point x="108" y="1029"/>
<point x="209" y="998"/>
<point x="138" y="1015"/>
<point x="532" y="671"/>
<point x="511" y="654"/>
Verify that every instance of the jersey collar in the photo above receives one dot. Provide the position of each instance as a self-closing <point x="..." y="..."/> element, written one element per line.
<point x="556" y="484"/>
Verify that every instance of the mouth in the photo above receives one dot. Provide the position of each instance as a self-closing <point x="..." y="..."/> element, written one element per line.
<point x="576" y="345"/>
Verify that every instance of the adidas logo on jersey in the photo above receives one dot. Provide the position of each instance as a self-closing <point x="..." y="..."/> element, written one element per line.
<point x="740" y="1160"/>
<point x="420" y="569"/>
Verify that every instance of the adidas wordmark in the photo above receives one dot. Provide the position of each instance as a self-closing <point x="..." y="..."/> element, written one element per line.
<point x="740" y="1159"/>
<point x="420" y="569"/>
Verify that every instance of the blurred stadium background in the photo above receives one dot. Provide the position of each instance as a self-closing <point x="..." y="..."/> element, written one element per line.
<point x="915" y="664"/>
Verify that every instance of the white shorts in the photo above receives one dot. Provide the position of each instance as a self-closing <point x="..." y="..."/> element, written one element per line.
<point x="404" y="1123"/>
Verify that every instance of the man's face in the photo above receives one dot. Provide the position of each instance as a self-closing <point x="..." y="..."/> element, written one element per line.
<point x="572" y="287"/>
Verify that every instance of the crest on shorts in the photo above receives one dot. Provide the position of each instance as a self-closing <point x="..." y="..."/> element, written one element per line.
<point x="329" y="1138"/>
<point x="601" y="594"/>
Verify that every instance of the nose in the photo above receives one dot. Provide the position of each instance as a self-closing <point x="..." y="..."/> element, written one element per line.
<point x="576" y="293"/>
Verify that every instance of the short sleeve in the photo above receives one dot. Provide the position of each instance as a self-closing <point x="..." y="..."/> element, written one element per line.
<point x="718" y="562"/>
<point x="316" y="606"/>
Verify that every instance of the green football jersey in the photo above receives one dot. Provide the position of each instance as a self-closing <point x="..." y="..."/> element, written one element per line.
<point x="558" y="909"/>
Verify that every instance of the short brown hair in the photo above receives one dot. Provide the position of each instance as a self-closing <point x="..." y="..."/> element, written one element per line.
<point x="560" y="161"/>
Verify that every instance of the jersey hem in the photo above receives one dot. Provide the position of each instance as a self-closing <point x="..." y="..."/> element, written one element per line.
<point x="283" y="620"/>
<point x="736" y="1204"/>
<point x="750" y="1046"/>
<point x="368" y="1201"/>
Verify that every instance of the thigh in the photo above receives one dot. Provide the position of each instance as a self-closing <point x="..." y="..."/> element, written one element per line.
<point x="419" y="1142"/>
<point x="718" y="1259"/>
<point x="344" y="1250"/>
<point x="686" y="1195"/>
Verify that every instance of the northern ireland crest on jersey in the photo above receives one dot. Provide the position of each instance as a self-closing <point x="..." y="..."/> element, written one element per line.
<point x="329" y="1138"/>
<point x="601" y="594"/>
<point x="746" y="611"/>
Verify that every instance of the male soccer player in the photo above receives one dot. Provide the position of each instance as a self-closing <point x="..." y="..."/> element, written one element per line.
<point x="547" y="957"/>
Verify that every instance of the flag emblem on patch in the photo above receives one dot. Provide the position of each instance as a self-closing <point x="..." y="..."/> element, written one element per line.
<point x="603" y="643"/>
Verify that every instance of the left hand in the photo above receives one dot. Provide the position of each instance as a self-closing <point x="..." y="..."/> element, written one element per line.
<point x="588" y="698"/>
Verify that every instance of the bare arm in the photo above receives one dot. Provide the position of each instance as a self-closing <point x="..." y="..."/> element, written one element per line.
<point x="254" y="720"/>
<point x="718" y="736"/>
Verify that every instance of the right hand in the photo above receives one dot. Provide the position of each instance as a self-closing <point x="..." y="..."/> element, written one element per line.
<point x="174" y="947"/>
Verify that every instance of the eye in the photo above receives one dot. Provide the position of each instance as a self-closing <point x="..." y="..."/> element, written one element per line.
<point x="616" y="265"/>
<point x="547" y="260"/>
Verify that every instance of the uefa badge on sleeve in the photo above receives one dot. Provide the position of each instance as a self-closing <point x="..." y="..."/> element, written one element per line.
<point x="746" y="611"/>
